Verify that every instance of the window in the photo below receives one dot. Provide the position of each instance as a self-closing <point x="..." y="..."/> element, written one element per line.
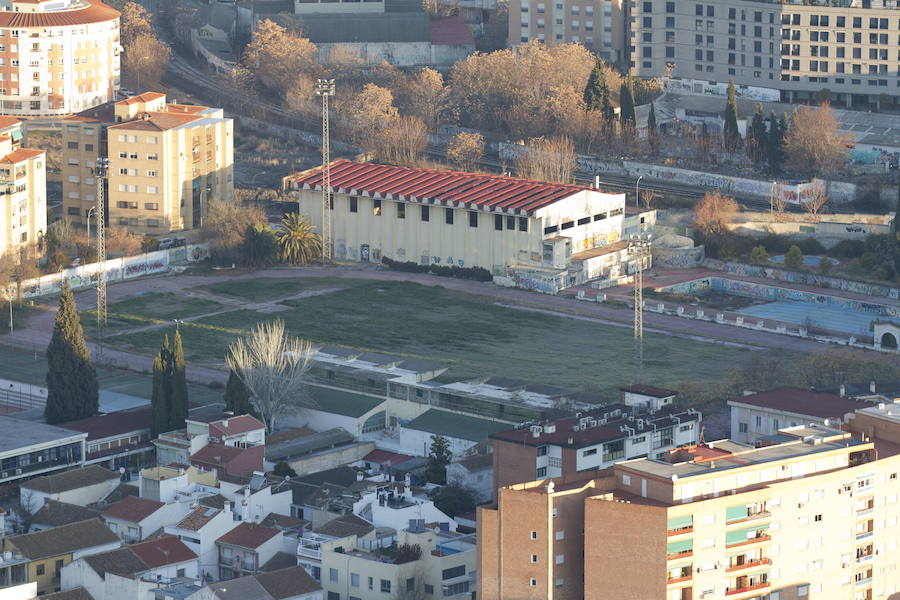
<point x="453" y="572"/>
<point x="376" y="207"/>
<point x="534" y="535"/>
<point x="498" y="222"/>
<point x="334" y="596"/>
<point x="386" y="586"/>
<point x="40" y="570"/>
<point x="333" y="575"/>
<point x="411" y="584"/>
<point x="152" y="156"/>
<point x="560" y="535"/>
<point x="742" y="427"/>
<point x="523" y="224"/>
<point x="534" y="559"/>
<point x="401" y="210"/>
<point x="151" y="205"/>
<point x="151" y="173"/>
<point x="429" y="589"/>
<point x="590" y="452"/>
<point x="354" y="204"/>
<point x="473" y="219"/>
<point x="542" y="451"/>
<point x="425" y="213"/>
<point x="541" y="473"/>
<point x="448" y="216"/>
<point x="533" y="582"/>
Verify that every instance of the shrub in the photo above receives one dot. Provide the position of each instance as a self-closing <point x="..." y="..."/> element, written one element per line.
<point x="793" y="258"/>
<point x="759" y="255"/>
<point x="811" y="246"/>
<point x="824" y="265"/>
<point x="472" y="273"/>
<point x="848" y="249"/>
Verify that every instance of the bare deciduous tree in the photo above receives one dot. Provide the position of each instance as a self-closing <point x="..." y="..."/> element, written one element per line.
<point x="366" y="113"/>
<point x="427" y="97"/>
<point x="547" y="159"/>
<point x="227" y="222"/>
<point x="814" y="143"/>
<point x="273" y="368"/>
<point x="402" y="142"/>
<point x="713" y="211"/>
<point x="145" y="61"/>
<point x="465" y="150"/>
<point x="122" y="243"/>
<point x="278" y="57"/>
<point x="814" y="199"/>
<point x="648" y="197"/>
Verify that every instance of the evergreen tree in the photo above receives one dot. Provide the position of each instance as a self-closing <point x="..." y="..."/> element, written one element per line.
<point x="178" y="409"/>
<point x="626" y="101"/>
<point x="283" y="469"/>
<point x="596" y="92"/>
<point x="653" y="131"/>
<point x="237" y="396"/>
<point x="160" y="417"/>
<point x="757" y="138"/>
<point x="72" y="390"/>
<point x="730" y="131"/>
<point x="774" y="140"/>
<point x="439" y="456"/>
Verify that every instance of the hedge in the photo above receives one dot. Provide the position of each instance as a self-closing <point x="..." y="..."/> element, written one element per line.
<point x="473" y="273"/>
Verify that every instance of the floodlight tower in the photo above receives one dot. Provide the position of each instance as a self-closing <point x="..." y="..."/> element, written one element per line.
<point x="639" y="250"/>
<point x="325" y="89"/>
<point x="101" y="171"/>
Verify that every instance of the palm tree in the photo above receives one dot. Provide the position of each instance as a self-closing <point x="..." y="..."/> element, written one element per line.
<point x="298" y="240"/>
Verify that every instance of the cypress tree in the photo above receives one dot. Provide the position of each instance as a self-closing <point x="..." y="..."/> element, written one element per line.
<point x="730" y="131"/>
<point x="773" y="141"/>
<point x="160" y="416"/>
<point x="72" y="390"/>
<point x="596" y="92"/>
<point x="178" y="409"/>
<point x="237" y="396"/>
<point x="757" y="138"/>
<point x="626" y="100"/>
<point x="653" y="131"/>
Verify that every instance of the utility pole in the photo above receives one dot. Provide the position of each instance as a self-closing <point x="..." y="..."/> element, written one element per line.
<point x="325" y="89"/>
<point x="639" y="250"/>
<point x="101" y="171"/>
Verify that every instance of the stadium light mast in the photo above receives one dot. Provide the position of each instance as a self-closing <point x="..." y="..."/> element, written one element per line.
<point x="325" y="89"/>
<point x="639" y="250"/>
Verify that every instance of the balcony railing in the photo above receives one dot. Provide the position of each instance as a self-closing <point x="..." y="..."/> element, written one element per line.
<point x="864" y="535"/>
<point x="680" y="579"/>
<point x="679" y="555"/>
<point x="749" y="565"/>
<point x="729" y="591"/>
<point x="763" y="514"/>
<point x="680" y="531"/>
<point x="754" y="540"/>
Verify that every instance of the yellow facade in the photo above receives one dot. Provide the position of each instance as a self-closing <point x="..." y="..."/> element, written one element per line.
<point x="166" y="162"/>
<point x="23" y="196"/>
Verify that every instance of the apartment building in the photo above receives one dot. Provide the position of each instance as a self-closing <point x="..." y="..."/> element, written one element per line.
<point x="57" y="57"/>
<point x="167" y="160"/>
<point x="814" y="516"/>
<point x="597" y="24"/>
<point x="23" y="192"/>
<point x="588" y="441"/>
<point x="791" y="48"/>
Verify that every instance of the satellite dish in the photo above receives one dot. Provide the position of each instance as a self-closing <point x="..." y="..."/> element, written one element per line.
<point x="674" y="477"/>
<point x="121" y="470"/>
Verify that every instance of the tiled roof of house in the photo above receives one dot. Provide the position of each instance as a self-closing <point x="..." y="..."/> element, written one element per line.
<point x="345" y="525"/>
<point x="249" y="535"/>
<point x="234" y="426"/>
<point x="803" y="402"/>
<point x="133" y="509"/>
<point x="242" y="588"/>
<point x="6" y="122"/>
<point x="94" y="11"/>
<point x="216" y="454"/>
<point x="283" y="521"/>
<point x="22" y="153"/>
<point x="385" y="457"/>
<point x="281" y="560"/>
<point x="451" y="31"/>
<point x="197" y="518"/>
<point x="78" y="593"/>
<point x="145" y="97"/>
<point x="441" y="187"/>
<point x="111" y="424"/>
<point x="54" y="514"/>
<point x="72" y="479"/>
<point x="287" y="583"/>
<point x="121" y="561"/>
<point x="63" y="539"/>
<point x="163" y="551"/>
<point x="477" y="462"/>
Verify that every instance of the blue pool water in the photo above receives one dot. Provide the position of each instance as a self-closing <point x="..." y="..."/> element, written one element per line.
<point x="839" y="319"/>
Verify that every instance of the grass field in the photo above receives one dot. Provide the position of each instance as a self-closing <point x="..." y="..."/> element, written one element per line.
<point x="149" y="309"/>
<point x="265" y="288"/>
<point x="469" y="333"/>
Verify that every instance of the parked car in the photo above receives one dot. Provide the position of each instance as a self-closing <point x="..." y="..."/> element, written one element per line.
<point x="166" y="243"/>
<point x="180" y="241"/>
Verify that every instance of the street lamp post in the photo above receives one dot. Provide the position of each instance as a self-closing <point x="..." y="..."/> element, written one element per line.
<point x="637" y="191"/>
<point x="89" y="212"/>
<point x="9" y="299"/>
<point x="253" y="179"/>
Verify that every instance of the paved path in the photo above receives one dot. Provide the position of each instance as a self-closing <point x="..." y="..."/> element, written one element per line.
<point x="35" y="334"/>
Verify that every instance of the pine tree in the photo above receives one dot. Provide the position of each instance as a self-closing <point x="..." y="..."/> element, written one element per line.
<point x="178" y="408"/>
<point x="237" y="396"/>
<point x="626" y="101"/>
<point x="596" y="92"/>
<point x="160" y="416"/>
<point x="72" y="390"/>
<point x="758" y="138"/>
<point x="653" y="131"/>
<point x="773" y="141"/>
<point x="730" y="131"/>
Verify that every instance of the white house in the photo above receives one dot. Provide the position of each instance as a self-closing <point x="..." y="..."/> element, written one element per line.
<point x="475" y="473"/>
<point x="255" y="498"/>
<point x="247" y="547"/>
<point x="394" y="506"/>
<point x="199" y="531"/>
<point x="133" y="571"/>
<point x="292" y="583"/>
<point x="134" y="518"/>
<point x="81" y="486"/>
<point x="647" y="398"/>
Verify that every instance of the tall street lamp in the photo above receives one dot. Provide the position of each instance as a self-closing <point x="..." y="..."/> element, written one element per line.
<point x="637" y="191"/>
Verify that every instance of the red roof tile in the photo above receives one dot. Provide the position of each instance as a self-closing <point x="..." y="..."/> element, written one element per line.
<point x="132" y="509"/>
<point x="249" y="535"/>
<point x="111" y="424"/>
<point x="216" y="454"/>
<point x="804" y="402"/>
<point x="386" y="457"/>
<point x="94" y="12"/>
<point x="236" y="426"/>
<point x="9" y="122"/>
<point x="451" y="31"/>
<point x="167" y="550"/>
<point x="197" y="518"/>
<point x="145" y="97"/>
<point x="21" y="154"/>
<point x="450" y="188"/>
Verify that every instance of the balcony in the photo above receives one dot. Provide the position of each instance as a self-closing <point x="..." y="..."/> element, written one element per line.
<point x="681" y="579"/>
<point x="763" y="514"/>
<point x="754" y="540"/>
<point x="729" y="591"/>
<point x="681" y="531"/>
<point x="749" y="565"/>
<point x="864" y="535"/>
<point x="680" y="555"/>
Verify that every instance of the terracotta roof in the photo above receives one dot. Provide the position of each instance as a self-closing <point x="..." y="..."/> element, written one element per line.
<point x="345" y="525"/>
<point x="385" y="457"/>
<point x="132" y="509"/>
<point x="21" y="154"/>
<point x="216" y="454"/>
<point x="94" y="12"/>
<point x="280" y="560"/>
<point x="287" y="583"/>
<point x="477" y="462"/>
<point x="249" y="535"/>
<point x="164" y="551"/>
<point x="6" y="122"/>
<point x="185" y="108"/>
<point x="64" y="539"/>
<point x="102" y="113"/>
<point x="283" y="521"/>
<point x="437" y="186"/>
<point x="54" y="514"/>
<point x="804" y="402"/>
<point x="649" y="390"/>
<point x="156" y="121"/>
<point x="78" y="593"/>
<point x="111" y="424"/>
<point x="235" y="426"/>
<point x="70" y="480"/>
<point x="216" y="501"/>
<point x="451" y="31"/>
<point x="121" y="561"/>
<point x="145" y="97"/>
<point x="197" y="518"/>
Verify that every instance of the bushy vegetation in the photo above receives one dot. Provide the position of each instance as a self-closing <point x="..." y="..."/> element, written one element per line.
<point x="473" y="273"/>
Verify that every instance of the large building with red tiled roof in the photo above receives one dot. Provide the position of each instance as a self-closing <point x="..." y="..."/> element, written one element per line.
<point x="58" y="57"/>
<point x="451" y="218"/>
<point x="167" y="161"/>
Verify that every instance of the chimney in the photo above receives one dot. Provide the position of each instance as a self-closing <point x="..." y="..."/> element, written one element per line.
<point x="225" y="423"/>
<point x="872" y="386"/>
<point x="843" y="391"/>
<point x="227" y="506"/>
<point x="596" y="182"/>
